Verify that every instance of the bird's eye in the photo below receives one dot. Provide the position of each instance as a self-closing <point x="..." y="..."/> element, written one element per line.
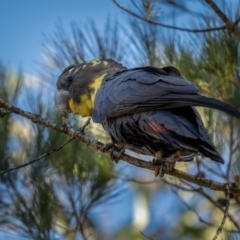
<point x="70" y="78"/>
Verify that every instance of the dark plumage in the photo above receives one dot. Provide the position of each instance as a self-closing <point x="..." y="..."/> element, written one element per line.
<point x="147" y="109"/>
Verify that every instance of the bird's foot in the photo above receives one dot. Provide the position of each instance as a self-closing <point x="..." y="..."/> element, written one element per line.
<point x="200" y="175"/>
<point x="114" y="147"/>
<point x="165" y="165"/>
<point x="157" y="160"/>
<point x="65" y="124"/>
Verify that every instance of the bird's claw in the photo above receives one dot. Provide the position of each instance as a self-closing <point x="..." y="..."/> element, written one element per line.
<point x="158" y="161"/>
<point x="112" y="147"/>
<point x="165" y="165"/>
<point x="65" y="124"/>
<point x="117" y="157"/>
<point x="64" y="116"/>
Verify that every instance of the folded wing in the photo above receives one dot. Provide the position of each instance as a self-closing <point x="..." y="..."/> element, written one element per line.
<point x="147" y="89"/>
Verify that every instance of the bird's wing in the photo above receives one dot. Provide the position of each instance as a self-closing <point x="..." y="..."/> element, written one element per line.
<point x="149" y="88"/>
<point x="182" y="133"/>
<point x="148" y="132"/>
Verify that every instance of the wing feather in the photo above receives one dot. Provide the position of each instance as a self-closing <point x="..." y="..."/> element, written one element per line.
<point x="148" y="89"/>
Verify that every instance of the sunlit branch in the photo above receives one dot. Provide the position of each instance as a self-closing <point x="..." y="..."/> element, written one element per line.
<point x="115" y="153"/>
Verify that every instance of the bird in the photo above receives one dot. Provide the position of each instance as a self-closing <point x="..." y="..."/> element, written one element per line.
<point x="147" y="110"/>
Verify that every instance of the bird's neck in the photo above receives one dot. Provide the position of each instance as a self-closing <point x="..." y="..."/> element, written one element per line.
<point x="86" y="104"/>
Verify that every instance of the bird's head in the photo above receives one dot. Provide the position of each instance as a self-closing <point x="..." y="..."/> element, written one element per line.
<point x="78" y="85"/>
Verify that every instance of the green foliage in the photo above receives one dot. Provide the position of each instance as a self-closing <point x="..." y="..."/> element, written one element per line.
<point x="35" y="198"/>
<point x="54" y="198"/>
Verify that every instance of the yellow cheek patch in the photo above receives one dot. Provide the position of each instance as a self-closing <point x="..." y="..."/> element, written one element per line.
<point x="84" y="108"/>
<point x="89" y="103"/>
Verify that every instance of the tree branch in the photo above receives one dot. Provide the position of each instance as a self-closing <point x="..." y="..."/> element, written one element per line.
<point x="230" y="26"/>
<point x="4" y="112"/>
<point x="219" y="231"/>
<point x="233" y="188"/>
<point x="36" y="159"/>
<point x="166" y="25"/>
<point x="216" y="203"/>
<point x="200" y="219"/>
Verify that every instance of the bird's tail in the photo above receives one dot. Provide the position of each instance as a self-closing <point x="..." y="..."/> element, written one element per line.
<point x="212" y="153"/>
<point x="198" y="100"/>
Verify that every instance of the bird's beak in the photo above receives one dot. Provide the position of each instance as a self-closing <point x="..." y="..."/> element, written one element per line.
<point x="61" y="100"/>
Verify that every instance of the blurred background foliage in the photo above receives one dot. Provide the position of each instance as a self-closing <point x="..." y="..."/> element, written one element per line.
<point x="77" y="192"/>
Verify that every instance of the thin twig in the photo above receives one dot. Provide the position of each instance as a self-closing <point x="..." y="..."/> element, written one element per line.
<point x="231" y="142"/>
<point x="131" y="160"/>
<point x="186" y="189"/>
<point x="146" y="236"/>
<point x="198" y="215"/>
<point x="46" y="154"/>
<point x="79" y="221"/>
<point x="237" y="21"/>
<point x="193" y="210"/>
<point x="166" y="25"/>
<point x="37" y="159"/>
<point x="219" y="231"/>
<point x="230" y="26"/>
<point x="215" y="203"/>
<point x="216" y="171"/>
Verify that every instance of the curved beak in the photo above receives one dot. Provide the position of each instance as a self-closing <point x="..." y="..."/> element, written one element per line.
<point x="61" y="100"/>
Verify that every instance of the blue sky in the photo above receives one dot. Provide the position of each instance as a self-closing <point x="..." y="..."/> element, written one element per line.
<point x="24" y="22"/>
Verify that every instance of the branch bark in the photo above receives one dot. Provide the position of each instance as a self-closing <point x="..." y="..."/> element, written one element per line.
<point x="230" y="26"/>
<point x="219" y="230"/>
<point x="35" y="118"/>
